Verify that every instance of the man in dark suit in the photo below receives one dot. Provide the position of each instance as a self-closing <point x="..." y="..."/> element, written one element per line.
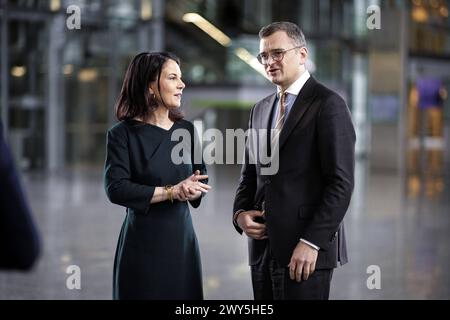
<point x="293" y="217"/>
<point x="19" y="240"/>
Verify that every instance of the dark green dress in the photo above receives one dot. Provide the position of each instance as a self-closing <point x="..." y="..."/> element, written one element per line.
<point x="157" y="255"/>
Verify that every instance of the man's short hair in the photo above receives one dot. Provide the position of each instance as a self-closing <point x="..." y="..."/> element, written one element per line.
<point x="291" y="29"/>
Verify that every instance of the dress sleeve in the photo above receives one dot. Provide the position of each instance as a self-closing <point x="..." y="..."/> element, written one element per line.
<point x="117" y="177"/>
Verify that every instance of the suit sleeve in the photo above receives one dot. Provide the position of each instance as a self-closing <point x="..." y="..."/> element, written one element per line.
<point x="19" y="238"/>
<point x="246" y="190"/>
<point x="336" y="145"/>
<point x="197" y="165"/>
<point x="118" y="185"/>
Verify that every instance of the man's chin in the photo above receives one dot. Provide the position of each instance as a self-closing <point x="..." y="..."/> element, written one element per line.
<point x="275" y="80"/>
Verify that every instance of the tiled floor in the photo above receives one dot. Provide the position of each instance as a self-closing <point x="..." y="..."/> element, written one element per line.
<point x="407" y="239"/>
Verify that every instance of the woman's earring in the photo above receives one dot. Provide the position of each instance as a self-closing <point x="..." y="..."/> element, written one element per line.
<point x="153" y="99"/>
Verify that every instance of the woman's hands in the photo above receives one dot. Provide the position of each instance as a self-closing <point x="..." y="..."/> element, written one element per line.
<point x="191" y="188"/>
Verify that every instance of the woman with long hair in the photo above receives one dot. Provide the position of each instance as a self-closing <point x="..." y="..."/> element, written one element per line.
<point x="157" y="254"/>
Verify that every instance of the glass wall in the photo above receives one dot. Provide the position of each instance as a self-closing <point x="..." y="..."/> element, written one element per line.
<point x="62" y="80"/>
<point x="428" y="108"/>
<point x="62" y="83"/>
<point x="27" y="91"/>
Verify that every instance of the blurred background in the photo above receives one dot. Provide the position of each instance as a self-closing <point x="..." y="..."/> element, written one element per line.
<point x="59" y="85"/>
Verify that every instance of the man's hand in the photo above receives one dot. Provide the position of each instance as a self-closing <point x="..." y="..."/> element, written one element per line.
<point x="252" y="229"/>
<point x="303" y="262"/>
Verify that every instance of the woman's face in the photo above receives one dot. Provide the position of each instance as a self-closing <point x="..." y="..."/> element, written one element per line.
<point x="171" y="85"/>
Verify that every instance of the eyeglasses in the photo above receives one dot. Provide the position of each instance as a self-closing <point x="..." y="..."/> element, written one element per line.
<point x="277" y="55"/>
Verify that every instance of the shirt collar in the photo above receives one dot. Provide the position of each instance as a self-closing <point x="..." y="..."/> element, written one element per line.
<point x="295" y="88"/>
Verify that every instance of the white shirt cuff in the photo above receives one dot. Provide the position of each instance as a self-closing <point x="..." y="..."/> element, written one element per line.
<point x="310" y="244"/>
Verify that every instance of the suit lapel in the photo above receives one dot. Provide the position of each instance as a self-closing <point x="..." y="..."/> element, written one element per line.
<point x="264" y="122"/>
<point x="301" y="105"/>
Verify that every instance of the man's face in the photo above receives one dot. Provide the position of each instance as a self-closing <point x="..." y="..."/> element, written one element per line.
<point x="283" y="73"/>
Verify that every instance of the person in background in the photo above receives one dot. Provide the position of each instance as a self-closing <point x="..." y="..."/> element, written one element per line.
<point x="19" y="238"/>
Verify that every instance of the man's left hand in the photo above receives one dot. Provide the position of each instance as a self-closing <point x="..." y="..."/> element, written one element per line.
<point x="303" y="262"/>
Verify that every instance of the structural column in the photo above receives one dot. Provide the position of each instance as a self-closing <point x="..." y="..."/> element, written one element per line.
<point x="4" y="66"/>
<point x="55" y="109"/>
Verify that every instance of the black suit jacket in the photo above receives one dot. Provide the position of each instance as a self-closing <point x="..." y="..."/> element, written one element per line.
<point x="310" y="194"/>
<point x="19" y="240"/>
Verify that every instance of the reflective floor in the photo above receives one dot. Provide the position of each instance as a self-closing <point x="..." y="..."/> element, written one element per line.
<point x="408" y="239"/>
